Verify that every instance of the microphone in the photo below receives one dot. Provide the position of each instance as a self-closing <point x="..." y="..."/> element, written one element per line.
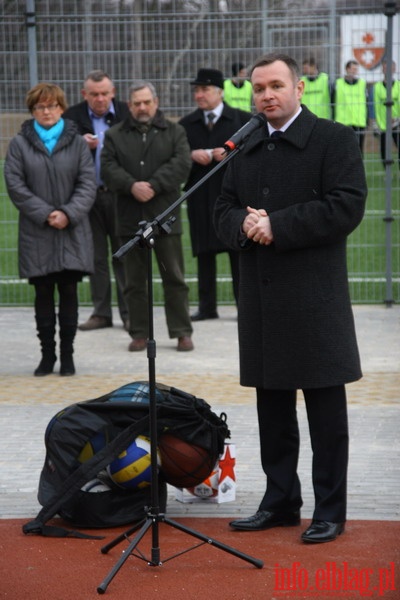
<point x="244" y="132"/>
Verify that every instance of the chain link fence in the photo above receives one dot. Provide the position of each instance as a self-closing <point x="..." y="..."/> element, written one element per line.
<point x="167" y="41"/>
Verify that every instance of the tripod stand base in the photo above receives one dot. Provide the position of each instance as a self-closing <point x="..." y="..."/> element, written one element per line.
<point x="153" y="521"/>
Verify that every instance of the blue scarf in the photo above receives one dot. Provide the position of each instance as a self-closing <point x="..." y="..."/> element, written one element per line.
<point x="50" y="136"/>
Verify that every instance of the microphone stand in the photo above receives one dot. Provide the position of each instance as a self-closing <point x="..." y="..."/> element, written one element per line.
<point x="144" y="237"/>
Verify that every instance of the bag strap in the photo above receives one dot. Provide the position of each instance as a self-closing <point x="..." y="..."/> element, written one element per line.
<point x="85" y="472"/>
<point x="59" y="532"/>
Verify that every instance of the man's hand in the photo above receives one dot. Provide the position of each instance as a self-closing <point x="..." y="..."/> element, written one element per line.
<point x="142" y="191"/>
<point x="58" y="219"/>
<point x="219" y="154"/>
<point x="202" y="157"/>
<point x="257" y="226"/>
<point x="205" y="157"/>
<point x="91" y="140"/>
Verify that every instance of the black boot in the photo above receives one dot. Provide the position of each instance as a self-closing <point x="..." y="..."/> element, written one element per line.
<point x="67" y="336"/>
<point x="46" y="332"/>
<point x="67" y="367"/>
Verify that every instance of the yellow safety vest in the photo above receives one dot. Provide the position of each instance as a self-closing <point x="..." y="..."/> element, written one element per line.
<point x="238" y="97"/>
<point x="316" y="95"/>
<point x="380" y="95"/>
<point x="350" y="103"/>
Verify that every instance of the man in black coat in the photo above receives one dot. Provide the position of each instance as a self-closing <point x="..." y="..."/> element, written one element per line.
<point x="289" y="201"/>
<point x="206" y="139"/>
<point x="99" y="111"/>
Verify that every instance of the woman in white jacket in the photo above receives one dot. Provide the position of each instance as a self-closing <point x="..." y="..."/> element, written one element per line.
<point x="50" y="178"/>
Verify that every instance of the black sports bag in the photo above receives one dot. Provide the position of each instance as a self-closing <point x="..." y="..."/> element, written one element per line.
<point x="117" y="418"/>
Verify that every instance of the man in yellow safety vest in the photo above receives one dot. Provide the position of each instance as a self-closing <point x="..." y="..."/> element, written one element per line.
<point x="238" y="92"/>
<point x="350" y="101"/>
<point x="379" y="102"/>
<point x="317" y="93"/>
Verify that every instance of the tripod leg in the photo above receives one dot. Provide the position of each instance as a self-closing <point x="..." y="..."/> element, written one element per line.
<point x="205" y="538"/>
<point x="122" y="537"/>
<point x="125" y="555"/>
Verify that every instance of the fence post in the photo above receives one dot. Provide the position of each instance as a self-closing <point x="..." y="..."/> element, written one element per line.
<point x="389" y="12"/>
<point x="32" y="50"/>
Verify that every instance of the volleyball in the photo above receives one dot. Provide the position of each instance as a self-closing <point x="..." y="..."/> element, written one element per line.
<point x="132" y="468"/>
<point x="96" y="443"/>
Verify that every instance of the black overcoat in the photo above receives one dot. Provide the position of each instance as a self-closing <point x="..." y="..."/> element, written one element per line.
<point x="296" y="326"/>
<point x="201" y="203"/>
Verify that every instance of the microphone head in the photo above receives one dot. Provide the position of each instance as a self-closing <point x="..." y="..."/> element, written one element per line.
<point x="244" y="132"/>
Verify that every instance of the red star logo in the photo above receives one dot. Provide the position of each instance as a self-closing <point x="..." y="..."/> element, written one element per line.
<point x="368" y="38"/>
<point x="227" y="466"/>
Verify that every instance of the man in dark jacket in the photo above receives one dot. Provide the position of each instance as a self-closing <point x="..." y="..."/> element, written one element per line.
<point x="145" y="160"/>
<point x="288" y="203"/>
<point x="206" y="140"/>
<point x="99" y="111"/>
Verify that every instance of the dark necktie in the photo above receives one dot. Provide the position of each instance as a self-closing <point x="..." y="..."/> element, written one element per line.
<point x="210" y="120"/>
<point x="276" y="134"/>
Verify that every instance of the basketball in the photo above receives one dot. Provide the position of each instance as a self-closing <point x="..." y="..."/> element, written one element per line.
<point x="132" y="468"/>
<point x="183" y="465"/>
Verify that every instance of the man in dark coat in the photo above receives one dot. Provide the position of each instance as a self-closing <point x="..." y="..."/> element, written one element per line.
<point x="99" y="111"/>
<point x="288" y="203"/>
<point x="206" y="140"/>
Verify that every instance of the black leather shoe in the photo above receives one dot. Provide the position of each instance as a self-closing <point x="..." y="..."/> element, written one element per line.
<point x="263" y="519"/>
<point x="322" y="531"/>
<point x="200" y="316"/>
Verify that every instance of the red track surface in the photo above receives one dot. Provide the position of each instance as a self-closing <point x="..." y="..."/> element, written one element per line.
<point x="363" y="562"/>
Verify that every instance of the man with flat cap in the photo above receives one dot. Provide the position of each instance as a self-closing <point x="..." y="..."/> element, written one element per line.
<point x="208" y="128"/>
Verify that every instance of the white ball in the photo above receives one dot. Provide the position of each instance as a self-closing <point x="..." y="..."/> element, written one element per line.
<point x="95" y="486"/>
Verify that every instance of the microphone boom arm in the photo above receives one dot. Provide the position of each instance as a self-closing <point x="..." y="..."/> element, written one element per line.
<point x="146" y="230"/>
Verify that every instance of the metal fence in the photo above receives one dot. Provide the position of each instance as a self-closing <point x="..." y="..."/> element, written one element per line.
<point x="167" y="41"/>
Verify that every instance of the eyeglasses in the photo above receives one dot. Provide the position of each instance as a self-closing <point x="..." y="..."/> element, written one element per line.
<point x="50" y="107"/>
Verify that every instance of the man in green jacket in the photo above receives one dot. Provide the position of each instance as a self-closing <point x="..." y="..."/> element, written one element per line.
<point x="144" y="161"/>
